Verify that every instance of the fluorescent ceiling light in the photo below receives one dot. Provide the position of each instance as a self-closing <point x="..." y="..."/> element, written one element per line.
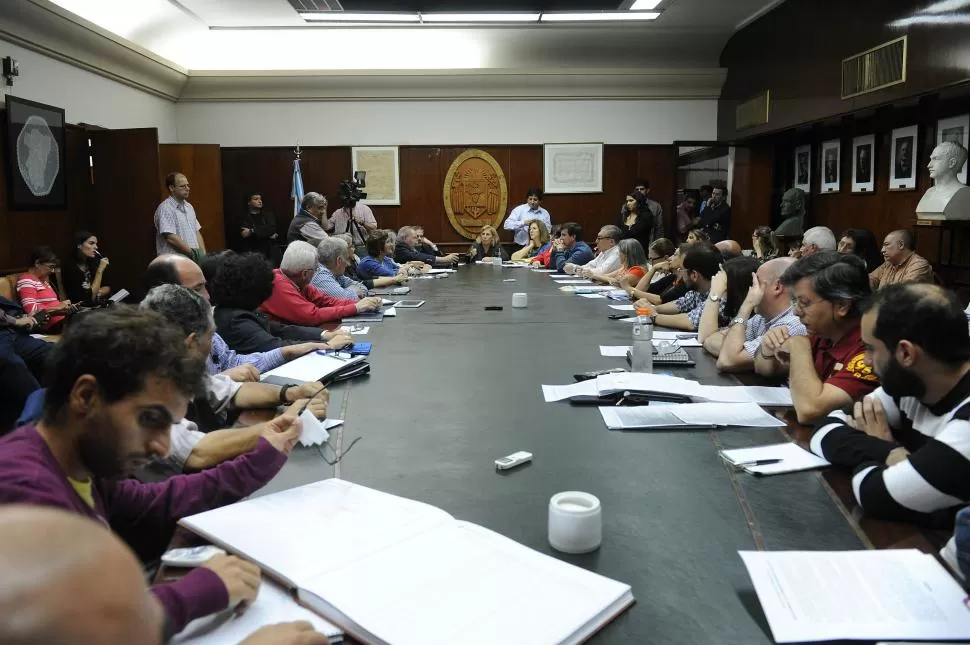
<point x="600" y="16"/>
<point x="645" y="5"/>
<point x="480" y="17"/>
<point x="358" y="16"/>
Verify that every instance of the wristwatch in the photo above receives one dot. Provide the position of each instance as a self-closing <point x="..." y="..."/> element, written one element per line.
<point x="283" y="399"/>
<point x="737" y="321"/>
<point x="714" y="298"/>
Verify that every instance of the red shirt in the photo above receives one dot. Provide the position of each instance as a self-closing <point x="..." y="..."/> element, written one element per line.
<point x="843" y="364"/>
<point x="310" y="307"/>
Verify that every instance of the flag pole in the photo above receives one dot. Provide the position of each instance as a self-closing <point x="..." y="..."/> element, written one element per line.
<point x="296" y="190"/>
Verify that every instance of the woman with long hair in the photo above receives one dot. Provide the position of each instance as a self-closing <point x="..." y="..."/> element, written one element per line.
<point x="764" y="248"/>
<point x="862" y="243"/>
<point x="633" y="266"/>
<point x="487" y="245"/>
<point x="636" y="218"/>
<point x="538" y="241"/>
<point x="731" y="283"/>
<point x="83" y="276"/>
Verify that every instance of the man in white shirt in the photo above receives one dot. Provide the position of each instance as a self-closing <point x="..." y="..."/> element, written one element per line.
<point x="607" y="258"/>
<point x="177" y="229"/>
<point x="518" y="220"/>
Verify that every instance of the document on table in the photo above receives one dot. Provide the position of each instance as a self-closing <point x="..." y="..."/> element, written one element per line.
<point x="390" y="311"/>
<point x="622" y="307"/>
<point x="434" y="271"/>
<point x="688" y="415"/>
<point x="350" y="329"/>
<point x="272" y="605"/>
<point x="614" y="351"/>
<point x="581" y="288"/>
<point x="574" y="281"/>
<point x="551" y="393"/>
<point x="793" y="458"/>
<point x="316" y="431"/>
<point x="890" y="594"/>
<point x="772" y="397"/>
<point x="592" y="296"/>
<point x="543" y="270"/>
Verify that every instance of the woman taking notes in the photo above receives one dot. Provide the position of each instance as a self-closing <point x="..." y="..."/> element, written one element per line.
<point x="36" y="294"/>
<point x="486" y="245"/>
<point x="538" y="242"/>
<point x="82" y="277"/>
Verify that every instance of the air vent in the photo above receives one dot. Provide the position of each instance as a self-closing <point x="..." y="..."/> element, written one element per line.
<point x="878" y="68"/>
<point x="753" y="112"/>
<point x="316" y="5"/>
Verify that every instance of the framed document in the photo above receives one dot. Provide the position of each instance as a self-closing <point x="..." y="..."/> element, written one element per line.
<point x="572" y="168"/>
<point x="382" y="165"/>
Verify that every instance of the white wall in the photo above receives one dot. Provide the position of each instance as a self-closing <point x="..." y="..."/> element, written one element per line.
<point x="87" y="97"/>
<point x="356" y="123"/>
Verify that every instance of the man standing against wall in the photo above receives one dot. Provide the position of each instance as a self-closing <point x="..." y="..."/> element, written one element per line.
<point x="177" y="229"/>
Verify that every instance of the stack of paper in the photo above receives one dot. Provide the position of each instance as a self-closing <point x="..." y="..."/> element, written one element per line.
<point x="672" y="385"/>
<point x="688" y="415"/>
<point x="790" y="456"/>
<point x="892" y="594"/>
<point x="434" y="271"/>
<point x="316" y="431"/>
<point x="310" y="367"/>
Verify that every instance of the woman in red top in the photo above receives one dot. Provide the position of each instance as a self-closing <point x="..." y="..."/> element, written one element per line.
<point x="541" y="259"/>
<point x="632" y="263"/>
<point x="36" y="294"/>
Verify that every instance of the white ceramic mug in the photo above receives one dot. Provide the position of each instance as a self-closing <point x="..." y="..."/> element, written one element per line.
<point x="575" y="522"/>
<point x="520" y="300"/>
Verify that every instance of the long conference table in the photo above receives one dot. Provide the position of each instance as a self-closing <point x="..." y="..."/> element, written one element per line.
<point x="454" y="387"/>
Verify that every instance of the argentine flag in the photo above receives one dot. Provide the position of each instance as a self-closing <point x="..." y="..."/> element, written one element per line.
<point x="296" y="192"/>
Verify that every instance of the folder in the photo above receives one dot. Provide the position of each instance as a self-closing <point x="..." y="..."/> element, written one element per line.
<point x="316" y="367"/>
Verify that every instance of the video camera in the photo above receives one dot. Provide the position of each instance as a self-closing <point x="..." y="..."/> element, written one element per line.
<point x="350" y="189"/>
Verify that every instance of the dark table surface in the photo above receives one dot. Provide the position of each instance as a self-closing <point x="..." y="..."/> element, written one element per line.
<point x="453" y="387"/>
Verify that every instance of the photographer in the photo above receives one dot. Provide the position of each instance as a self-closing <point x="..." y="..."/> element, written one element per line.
<point x="352" y="216"/>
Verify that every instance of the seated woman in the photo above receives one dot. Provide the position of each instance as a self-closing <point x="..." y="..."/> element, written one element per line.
<point x="698" y="235"/>
<point x="541" y="259"/>
<point x="242" y="283"/>
<point x="37" y="297"/>
<point x="761" y="242"/>
<point x="538" y="241"/>
<point x="350" y="273"/>
<point x="636" y="219"/>
<point x="294" y="300"/>
<point x="862" y="243"/>
<point x="733" y="282"/>
<point x="660" y="284"/>
<point x="486" y="245"/>
<point x="633" y="263"/>
<point x="82" y="277"/>
<point x="379" y="261"/>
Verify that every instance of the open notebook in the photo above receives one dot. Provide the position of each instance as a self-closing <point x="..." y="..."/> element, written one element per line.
<point x="311" y="367"/>
<point x="391" y="570"/>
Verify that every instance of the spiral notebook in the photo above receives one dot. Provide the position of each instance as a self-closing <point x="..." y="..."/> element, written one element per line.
<point x="385" y="569"/>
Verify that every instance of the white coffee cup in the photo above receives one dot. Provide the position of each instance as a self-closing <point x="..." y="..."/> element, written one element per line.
<point x="575" y="522"/>
<point x="520" y="300"/>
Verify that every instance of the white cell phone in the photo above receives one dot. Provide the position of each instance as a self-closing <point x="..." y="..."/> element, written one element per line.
<point x="192" y="557"/>
<point x="513" y="460"/>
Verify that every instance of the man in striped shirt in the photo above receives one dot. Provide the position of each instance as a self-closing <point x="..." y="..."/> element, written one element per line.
<point x="908" y="443"/>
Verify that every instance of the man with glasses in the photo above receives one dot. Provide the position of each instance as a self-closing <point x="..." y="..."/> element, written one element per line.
<point x="176" y="226"/>
<point x="607" y="258"/>
<point x="827" y="369"/>
<point x="816" y="240"/>
<point x="310" y="224"/>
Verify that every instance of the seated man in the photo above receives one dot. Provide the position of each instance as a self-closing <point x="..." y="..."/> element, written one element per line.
<point x="298" y="302"/>
<point x="178" y="269"/>
<point x="607" y="258"/>
<point x="80" y="584"/>
<point x="330" y="275"/>
<point x="119" y="379"/>
<point x="729" y="249"/>
<point x="902" y="263"/>
<point x="406" y="249"/>
<point x="699" y="266"/>
<point x="817" y="239"/>
<point x="22" y="361"/>
<point x="908" y="443"/>
<point x="770" y="302"/>
<point x="569" y="248"/>
<point x="827" y="370"/>
<point x="192" y="449"/>
<point x="425" y="245"/>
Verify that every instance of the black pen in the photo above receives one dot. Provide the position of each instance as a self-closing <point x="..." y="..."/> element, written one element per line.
<point x="622" y="398"/>
<point x="760" y="462"/>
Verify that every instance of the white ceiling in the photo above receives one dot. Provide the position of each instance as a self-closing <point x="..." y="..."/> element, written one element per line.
<point x="268" y="35"/>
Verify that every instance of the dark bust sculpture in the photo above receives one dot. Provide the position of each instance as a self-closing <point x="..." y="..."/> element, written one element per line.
<point x="793" y="212"/>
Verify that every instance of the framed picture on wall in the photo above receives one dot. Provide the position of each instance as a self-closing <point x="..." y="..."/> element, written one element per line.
<point x="831" y="166"/>
<point x="35" y="155"/>
<point x="572" y="168"/>
<point x="803" y="167"/>
<point x="864" y="164"/>
<point x="382" y="165"/>
<point x="903" y="164"/>
<point x="956" y="129"/>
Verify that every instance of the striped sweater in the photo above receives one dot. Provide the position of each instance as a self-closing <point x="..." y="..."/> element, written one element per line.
<point x="935" y="476"/>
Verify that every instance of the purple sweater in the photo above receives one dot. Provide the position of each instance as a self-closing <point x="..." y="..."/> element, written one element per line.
<point x="144" y="515"/>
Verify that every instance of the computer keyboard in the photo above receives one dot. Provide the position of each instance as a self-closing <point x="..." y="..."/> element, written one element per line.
<point x="675" y="357"/>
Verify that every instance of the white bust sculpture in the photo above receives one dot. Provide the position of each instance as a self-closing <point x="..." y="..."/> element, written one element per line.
<point x="948" y="198"/>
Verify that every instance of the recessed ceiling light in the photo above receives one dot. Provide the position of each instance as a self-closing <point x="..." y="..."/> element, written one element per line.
<point x="480" y="17"/>
<point x="600" y="16"/>
<point x="358" y="16"/>
<point x="645" y="5"/>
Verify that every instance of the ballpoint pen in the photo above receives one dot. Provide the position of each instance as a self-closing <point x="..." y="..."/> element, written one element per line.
<point x="622" y="398"/>
<point x="759" y="462"/>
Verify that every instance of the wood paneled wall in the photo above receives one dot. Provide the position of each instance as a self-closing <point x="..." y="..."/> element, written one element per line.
<point x="202" y="165"/>
<point x="423" y="170"/>
<point x="20" y="231"/>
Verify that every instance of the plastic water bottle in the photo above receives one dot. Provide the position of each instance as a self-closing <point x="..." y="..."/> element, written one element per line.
<point x="641" y="355"/>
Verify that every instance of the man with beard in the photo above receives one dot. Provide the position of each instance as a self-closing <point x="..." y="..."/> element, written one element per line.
<point x="700" y="265"/>
<point x="827" y="369"/>
<point x="119" y="379"/>
<point x="908" y="443"/>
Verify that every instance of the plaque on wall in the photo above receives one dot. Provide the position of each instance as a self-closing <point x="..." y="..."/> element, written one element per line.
<point x="902" y="166"/>
<point x="803" y="168"/>
<point x="831" y="166"/>
<point x="475" y="193"/>
<point x="383" y="174"/>
<point x="864" y="164"/>
<point x="35" y="155"/>
<point x="572" y="168"/>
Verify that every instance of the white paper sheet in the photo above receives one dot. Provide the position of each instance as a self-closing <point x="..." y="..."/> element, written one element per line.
<point x="390" y="311"/>
<point x="272" y="605"/>
<point x="622" y="307"/>
<point x="350" y="330"/>
<point x="857" y="595"/>
<point x="772" y="397"/>
<point x="310" y="367"/>
<point x="543" y="270"/>
<point x="688" y="415"/>
<point x="646" y="382"/>
<point x="551" y="393"/>
<point x="793" y="457"/>
<point x="580" y="288"/>
<point x="574" y="281"/>
<point x="434" y="271"/>
<point x="316" y="431"/>
<point x="592" y="296"/>
<point x="614" y="351"/>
